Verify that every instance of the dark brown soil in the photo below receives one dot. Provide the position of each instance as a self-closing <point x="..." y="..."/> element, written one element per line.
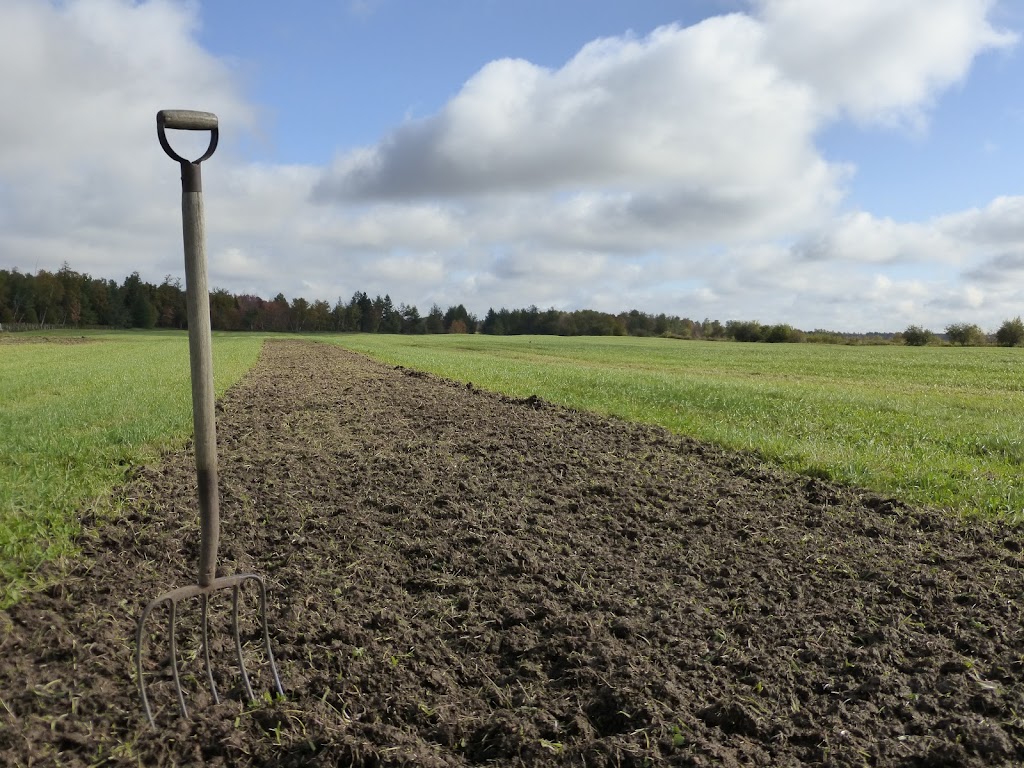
<point x="457" y="578"/>
<point x="13" y="338"/>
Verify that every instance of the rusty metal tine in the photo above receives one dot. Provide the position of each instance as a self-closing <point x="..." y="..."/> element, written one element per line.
<point x="206" y="646"/>
<point x="174" y="659"/>
<point x="238" y="642"/>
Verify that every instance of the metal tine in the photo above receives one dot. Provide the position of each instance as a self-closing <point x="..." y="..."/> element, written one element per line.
<point x="266" y="636"/>
<point x="138" y="655"/>
<point x="174" y="659"/>
<point x="171" y="601"/>
<point x="265" y="627"/>
<point x="238" y="642"/>
<point x="183" y="594"/>
<point x="206" y="646"/>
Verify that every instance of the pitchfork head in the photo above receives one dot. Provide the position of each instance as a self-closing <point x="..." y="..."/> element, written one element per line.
<point x="176" y="596"/>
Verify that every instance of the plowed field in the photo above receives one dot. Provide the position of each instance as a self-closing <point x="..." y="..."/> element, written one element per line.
<point x="457" y="578"/>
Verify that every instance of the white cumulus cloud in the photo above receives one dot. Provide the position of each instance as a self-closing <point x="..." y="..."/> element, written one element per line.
<point x="861" y="237"/>
<point x="687" y="127"/>
<point x="878" y="60"/>
<point x="675" y="171"/>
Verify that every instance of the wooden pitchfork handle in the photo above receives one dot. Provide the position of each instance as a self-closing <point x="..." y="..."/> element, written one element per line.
<point x="197" y="294"/>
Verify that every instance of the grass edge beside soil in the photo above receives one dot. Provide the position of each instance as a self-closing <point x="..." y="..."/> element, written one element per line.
<point x="85" y="412"/>
<point x="933" y="427"/>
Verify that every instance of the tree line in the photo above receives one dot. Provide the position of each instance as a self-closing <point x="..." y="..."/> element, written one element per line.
<point x="71" y="299"/>
<point x="1009" y="334"/>
<point x="67" y="298"/>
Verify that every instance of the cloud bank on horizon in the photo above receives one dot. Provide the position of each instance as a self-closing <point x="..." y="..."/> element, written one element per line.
<point x="677" y="171"/>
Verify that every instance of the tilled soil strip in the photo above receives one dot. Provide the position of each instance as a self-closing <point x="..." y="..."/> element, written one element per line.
<point x="458" y="578"/>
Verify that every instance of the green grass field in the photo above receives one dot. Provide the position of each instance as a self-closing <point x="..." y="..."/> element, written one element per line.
<point x="939" y="426"/>
<point x="935" y="425"/>
<point x="74" y="416"/>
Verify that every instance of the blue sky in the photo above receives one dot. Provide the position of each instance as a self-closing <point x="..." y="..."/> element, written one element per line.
<point x="854" y="166"/>
<point x="335" y="74"/>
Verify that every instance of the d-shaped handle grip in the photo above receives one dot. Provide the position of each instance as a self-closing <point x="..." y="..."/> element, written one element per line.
<point x="186" y="120"/>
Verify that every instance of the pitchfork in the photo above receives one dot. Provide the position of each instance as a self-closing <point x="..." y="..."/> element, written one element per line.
<point x="201" y="361"/>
